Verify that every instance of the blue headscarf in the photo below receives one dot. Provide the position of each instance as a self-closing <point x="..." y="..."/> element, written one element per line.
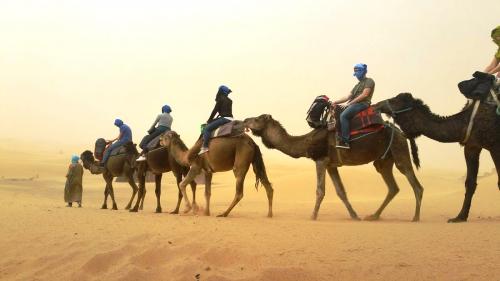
<point x="224" y="90"/>
<point x="166" y="109"/>
<point x="360" y="70"/>
<point x="74" y="159"/>
<point x="118" y="122"/>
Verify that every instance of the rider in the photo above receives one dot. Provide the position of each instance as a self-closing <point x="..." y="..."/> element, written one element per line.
<point x="358" y="100"/>
<point x="224" y="109"/>
<point x="494" y="66"/>
<point x="164" y="121"/>
<point x="124" y="137"/>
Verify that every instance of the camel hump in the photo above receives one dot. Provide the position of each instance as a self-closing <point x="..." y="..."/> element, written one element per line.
<point x="231" y="129"/>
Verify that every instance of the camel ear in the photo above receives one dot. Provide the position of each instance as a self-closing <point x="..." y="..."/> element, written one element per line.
<point x="268" y="117"/>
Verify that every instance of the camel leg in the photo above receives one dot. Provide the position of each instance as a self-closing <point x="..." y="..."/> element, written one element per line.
<point x="495" y="155"/>
<point x="193" y="189"/>
<point x="178" y="178"/>
<point x="142" y="190"/>
<point x="158" y="192"/>
<point x="418" y="190"/>
<point x="269" y="193"/>
<point x="472" y="161"/>
<point x="132" y="184"/>
<point x="109" y="180"/>
<point x="193" y="172"/>
<point x="208" y="192"/>
<point x="105" y="203"/>
<point x="320" y="186"/>
<point x="384" y="167"/>
<point x="141" y="206"/>
<point x="240" y="174"/>
<point x="341" y="193"/>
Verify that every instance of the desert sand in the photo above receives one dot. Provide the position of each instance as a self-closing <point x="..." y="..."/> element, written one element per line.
<point x="41" y="239"/>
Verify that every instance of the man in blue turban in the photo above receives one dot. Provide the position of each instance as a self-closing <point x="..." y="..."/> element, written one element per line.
<point x="164" y="122"/>
<point x="124" y="137"/>
<point x="358" y="100"/>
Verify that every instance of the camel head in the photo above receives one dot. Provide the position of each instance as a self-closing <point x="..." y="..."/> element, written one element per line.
<point x="397" y="105"/>
<point x="258" y="124"/>
<point x="403" y="109"/>
<point x="167" y="138"/>
<point x="87" y="158"/>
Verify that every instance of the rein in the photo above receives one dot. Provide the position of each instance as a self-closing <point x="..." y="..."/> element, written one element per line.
<point x="394" y="113"/>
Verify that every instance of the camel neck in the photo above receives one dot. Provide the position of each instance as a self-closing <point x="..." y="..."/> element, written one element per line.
<point x="443" y="129"/>
<point x="294" y="146"/>
<point x="179" y="153"/>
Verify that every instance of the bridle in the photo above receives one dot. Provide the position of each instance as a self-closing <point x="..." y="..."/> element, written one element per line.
<point x="393" y="112"/>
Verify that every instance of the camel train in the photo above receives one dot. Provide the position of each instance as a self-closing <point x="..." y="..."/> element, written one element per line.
<point x="374" y="141"/>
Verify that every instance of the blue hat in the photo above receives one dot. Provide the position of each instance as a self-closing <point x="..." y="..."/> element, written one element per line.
<point x="118" y="122"/>
<point x="360" y="70"/>
<point x="166" y="109"/>
<point x="74" y="159"/>
<point x="224" y="90"/>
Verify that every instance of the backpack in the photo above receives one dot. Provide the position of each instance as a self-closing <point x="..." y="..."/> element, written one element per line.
<point x="100" y="146"/>
<point x="317" y="113"/>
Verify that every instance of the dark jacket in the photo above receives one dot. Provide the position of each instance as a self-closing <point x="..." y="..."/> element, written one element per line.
<point x="223" y="106"/>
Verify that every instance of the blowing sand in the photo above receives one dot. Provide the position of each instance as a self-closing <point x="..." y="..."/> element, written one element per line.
<point x="40" y="239"/>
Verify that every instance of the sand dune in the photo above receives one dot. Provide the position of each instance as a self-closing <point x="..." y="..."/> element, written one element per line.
<point x="43" y="240"/>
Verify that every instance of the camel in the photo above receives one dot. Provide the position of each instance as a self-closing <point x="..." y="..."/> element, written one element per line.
<point x="415" y="119"/>
<point x="159" y="161"/>
<point x="117" y="165"/>
<point x="225" y="154"/>
<point x="315" y="145"/>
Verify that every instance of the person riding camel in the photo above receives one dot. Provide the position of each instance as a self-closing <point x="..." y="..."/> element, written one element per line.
<point x="358" y="100"/>
<point x="164" y="121"/>
<point x="494" y="66"/>
<point x="124" y="137"/>
<point x="221" y="114"/>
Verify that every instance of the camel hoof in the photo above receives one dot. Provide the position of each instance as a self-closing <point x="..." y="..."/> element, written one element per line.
<point x="195" y="208"/>
<point x="457" y="220"/>
<point x="174" y="212"/>
<point x="187" y="209"/>
<point x="415" y="220"/>
<point x="222" y="215"/>
<point x="269" y="215"/>
<point x="133" y="210"/>
<point x="207" y="213"/>
<point x="104" y="207"/>
<point x="372" y="218"/>
<point x="356" y="218"/>
<point x="158" y="210"/>
<point x="127" y="207"/>
<point x="114" y="207"/>
<point x="314" y="217"/>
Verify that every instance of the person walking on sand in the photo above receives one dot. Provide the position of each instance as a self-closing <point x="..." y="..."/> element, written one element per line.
<point x="73" y="188"/>
<point x="494" y="66"/>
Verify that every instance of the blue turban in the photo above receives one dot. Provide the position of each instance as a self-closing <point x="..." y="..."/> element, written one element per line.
<point x="360" y="70"/>
<point x="224" y="90"/>
<point x="166" y="109"/>
<point x="118" y="122"/>
<point x="74" y="159"/>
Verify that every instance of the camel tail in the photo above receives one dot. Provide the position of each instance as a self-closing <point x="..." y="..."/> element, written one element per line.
<point x="259" y="168"/>
<point x="414" y="153"/>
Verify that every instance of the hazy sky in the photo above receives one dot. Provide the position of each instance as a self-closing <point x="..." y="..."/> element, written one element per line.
<point x="69" y="68"/>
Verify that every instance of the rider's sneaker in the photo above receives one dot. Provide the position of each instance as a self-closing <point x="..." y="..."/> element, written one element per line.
<point x="343" y="145"/>
<point x="203" y="150"/>
<point x="141" y="158"/>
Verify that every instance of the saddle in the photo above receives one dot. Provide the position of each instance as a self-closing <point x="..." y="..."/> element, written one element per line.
<point x="101" y="146"/>
<point x="154" y="143"/>
<point x="231" y="129"/>
<point x="366" y="121"/>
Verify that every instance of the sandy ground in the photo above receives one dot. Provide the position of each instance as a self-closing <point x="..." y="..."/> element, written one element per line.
<point x="40" y="239"/>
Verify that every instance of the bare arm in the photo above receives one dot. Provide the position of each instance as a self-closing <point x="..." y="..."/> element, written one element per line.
<point x="366" y="92"/>
<point x="493" y="67"/>
<point x="342" y="100"/>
